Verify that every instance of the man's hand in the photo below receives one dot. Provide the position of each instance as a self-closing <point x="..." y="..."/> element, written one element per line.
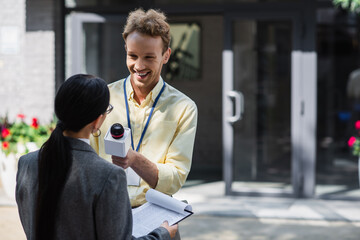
<point x="146" y="169"/>
<point x="172" y="229"/>
<point x="126" y="161"/>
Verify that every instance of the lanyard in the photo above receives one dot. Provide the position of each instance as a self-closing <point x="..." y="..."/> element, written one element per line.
<point x="148" y="120"/>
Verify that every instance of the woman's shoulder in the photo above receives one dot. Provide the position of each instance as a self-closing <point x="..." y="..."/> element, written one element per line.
<point x="110" y="166"/>
<point x="95" y="172"/>
<point x="29" y="158"/>
<point x="30" y="155"/>
<point x="110" y="176"/>
<point x="27" y="167"/>
<point x="102" y="166"/>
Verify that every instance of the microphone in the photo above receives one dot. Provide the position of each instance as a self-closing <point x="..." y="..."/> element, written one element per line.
<point x="117" y="140"/>
<point x="117" y="131"/>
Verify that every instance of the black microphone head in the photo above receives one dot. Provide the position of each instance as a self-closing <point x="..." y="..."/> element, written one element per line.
<point x="117" y="131"/>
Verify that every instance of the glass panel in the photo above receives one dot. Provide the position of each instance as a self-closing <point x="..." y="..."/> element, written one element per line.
<point x="338" y="102"/>
<point x="262" y="147"/>
<point x="104" y="50"/>
<point x="184" y="63"/>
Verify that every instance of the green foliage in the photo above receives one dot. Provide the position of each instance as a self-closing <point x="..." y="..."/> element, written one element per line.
<point x="356" y="148"/>
<point x="351" y="5"/>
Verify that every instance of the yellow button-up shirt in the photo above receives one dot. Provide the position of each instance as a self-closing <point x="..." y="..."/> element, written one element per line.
<point x="168" y="141"/>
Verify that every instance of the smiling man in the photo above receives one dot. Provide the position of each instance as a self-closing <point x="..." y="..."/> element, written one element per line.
<point x="162" y="119"/>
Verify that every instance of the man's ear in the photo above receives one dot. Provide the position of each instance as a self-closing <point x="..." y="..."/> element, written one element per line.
<point x="167" y="55"/>
<point x="125" y="47"/>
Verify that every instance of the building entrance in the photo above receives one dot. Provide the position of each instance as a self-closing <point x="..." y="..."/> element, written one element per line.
<point x="261" y="119"/>
<point x="262" y="74"/>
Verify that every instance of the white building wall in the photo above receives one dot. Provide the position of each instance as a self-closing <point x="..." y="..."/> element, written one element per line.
<point x="12" y="19"/>
<point x="27" y="71"/>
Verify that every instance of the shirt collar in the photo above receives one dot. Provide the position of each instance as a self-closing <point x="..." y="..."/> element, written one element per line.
<point x="85" y="140"/>
<point x="156" y="90"/>
<point x="129" y="89"/>
<point x="153" y="93"/>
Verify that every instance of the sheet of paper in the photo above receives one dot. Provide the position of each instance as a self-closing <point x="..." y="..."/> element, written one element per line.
<point x="166" y="201"/>
<point x="132" y="178"/>
<point x="150" y="216"/>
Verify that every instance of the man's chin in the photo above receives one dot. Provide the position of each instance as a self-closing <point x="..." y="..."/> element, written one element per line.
<point x="139" y="84"/>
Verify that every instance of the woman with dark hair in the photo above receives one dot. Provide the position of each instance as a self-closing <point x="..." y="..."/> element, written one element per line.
<point x="65" y="190"/>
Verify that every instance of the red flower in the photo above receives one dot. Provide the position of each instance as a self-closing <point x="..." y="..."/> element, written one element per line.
<point x="5" y="145"/>
<point x="21" y="116"/>
<point x="5" y="132"/>
<point x="357" y="124"/>
<point x="351" y="141"/>
<point x="35" y="123"/>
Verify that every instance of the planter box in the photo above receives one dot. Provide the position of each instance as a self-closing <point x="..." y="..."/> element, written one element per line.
<point x="8" y="168"/>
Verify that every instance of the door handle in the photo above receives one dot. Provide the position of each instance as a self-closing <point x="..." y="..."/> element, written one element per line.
<point x="239" y="105"/>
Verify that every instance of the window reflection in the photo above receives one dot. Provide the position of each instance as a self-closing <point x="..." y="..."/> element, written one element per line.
<point x="338" y="102"/>
<point x="184" y="63"/>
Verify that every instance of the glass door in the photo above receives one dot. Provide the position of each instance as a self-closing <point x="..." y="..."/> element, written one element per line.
<point x="262" y="73"/>
<point x="258" y="132"/>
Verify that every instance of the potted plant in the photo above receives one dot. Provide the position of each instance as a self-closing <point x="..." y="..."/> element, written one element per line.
<point x="18" y="138"/>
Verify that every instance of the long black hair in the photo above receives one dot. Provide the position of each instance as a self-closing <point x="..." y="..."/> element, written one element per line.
<point x="80" y="100"/>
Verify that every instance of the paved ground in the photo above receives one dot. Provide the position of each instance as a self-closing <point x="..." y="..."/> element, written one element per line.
<point x="236" y="218"/>
<point x="218" y="217"/>
<point x="209" y="199"/>
<point x="10" y="226"/>
<point x="207" y="227"/>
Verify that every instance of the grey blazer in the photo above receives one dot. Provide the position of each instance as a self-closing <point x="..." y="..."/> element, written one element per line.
<point x="94" y="203"/>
